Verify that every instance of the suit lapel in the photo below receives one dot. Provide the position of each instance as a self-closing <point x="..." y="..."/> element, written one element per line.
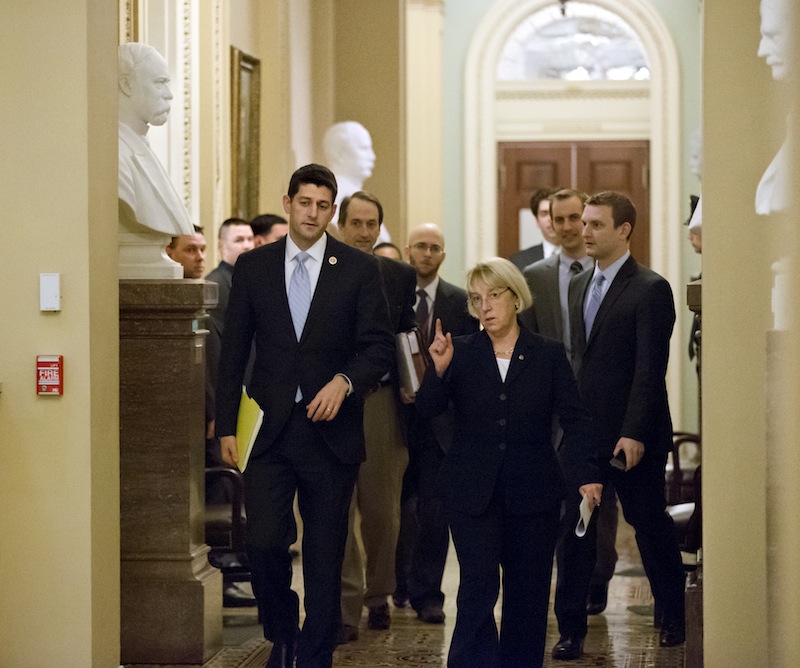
<point x="276" y="276"/>
<point x="326" y="285"/>
<point x="521" y="357"/>
<point x="577" y="295"/>
<point x="617" y="287"/>
<point x="554" y="289"/>
<point x="485" y="354"/>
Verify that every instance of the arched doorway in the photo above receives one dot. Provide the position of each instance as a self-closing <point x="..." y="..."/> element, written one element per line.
<point x="663" y="108"/>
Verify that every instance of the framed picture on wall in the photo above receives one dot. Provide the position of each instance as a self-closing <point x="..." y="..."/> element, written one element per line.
<point x="245" y="103"/>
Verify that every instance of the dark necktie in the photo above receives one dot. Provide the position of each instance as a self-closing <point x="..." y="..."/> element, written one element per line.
<point x="576" y="267"/>
<point x="421" y="315"/>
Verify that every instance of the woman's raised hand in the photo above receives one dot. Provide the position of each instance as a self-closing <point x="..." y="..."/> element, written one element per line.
<point x="441" y="349"/>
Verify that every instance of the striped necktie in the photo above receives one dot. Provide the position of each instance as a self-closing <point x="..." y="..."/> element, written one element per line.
<point x="595" y="299"/>
<point x="299" y="294"/>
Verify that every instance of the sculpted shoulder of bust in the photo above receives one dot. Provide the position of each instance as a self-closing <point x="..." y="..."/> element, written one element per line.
<point x="775" y="48"/>
<point x="147" y="195"/>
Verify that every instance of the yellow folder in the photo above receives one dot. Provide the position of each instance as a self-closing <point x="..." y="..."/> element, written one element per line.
<point x="247" y="425"/>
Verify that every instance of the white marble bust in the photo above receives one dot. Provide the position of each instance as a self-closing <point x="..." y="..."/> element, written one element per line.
<point x="349" y="155"/>
<point x="776" y="49"/>
<point x="150" y="210"/>
<point x="144" y="100"/>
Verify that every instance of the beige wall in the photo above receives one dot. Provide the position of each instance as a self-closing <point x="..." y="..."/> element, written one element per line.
<point x="368" y="81"/>
<point x="59" y="600"/>
<point x="740" y="141"/>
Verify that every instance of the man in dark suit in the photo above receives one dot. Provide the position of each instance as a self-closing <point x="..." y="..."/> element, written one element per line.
<point x="380" y="477"/>
<point x="424" y="536"/>
<point x="549" y="282"/>
<point x="235" y="237"/>
<point x="540" y="207"/>
<point x="622" y="315"/>
<point x="323" y="340"/>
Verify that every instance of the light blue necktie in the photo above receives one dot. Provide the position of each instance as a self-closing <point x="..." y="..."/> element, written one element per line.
<point x="299" y="300"/>
<point x="299" y="294"/>
<point x="595" y="299"/>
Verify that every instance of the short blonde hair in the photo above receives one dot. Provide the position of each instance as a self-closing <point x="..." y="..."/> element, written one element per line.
<point x="497" y="274"/>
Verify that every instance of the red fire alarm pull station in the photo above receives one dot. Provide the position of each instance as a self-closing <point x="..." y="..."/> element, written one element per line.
<point x="50" y="374"/>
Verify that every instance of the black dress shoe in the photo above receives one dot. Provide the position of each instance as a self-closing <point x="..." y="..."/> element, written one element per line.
<point x="597" y="600"/>
<point x="282" y="655"/>
<point x="235" y="597"/>
<point x="379" y="619"/>
<point x="568" y="649"/>
<point x="431" y="614"/>
<point x="671" y="635"/>
<point x="346" y="634"/>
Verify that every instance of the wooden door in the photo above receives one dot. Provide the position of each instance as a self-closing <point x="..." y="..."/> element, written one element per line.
<point x="587" y="166"/>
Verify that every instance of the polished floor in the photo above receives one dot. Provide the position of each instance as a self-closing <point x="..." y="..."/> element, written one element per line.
<point x="621" y="637"/>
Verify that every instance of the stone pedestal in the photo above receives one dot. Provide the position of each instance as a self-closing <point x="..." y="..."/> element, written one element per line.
<point x="171" y="597"/>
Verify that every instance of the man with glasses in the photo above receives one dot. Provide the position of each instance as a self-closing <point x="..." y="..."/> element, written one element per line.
<point x="424" y="537"/>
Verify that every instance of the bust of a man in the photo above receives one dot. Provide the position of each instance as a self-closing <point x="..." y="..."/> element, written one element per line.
<point x="349" y="155"/>
<point x="147" y="196"/>
<point x="775" y="48"/>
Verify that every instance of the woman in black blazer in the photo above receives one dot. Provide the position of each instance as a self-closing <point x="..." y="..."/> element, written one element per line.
<point x="502" y="483"/>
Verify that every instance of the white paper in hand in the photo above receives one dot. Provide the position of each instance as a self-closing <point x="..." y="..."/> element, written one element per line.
<point x="585" y="510"/>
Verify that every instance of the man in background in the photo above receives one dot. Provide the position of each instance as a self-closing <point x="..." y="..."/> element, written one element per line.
<point x="268" y="228"/>
<point x="424" y="536"/>
<point x="235" y="237"/>
<point x="189" y="250"/>
<point x="540" y="207"/>
<point x="380" y="477"/>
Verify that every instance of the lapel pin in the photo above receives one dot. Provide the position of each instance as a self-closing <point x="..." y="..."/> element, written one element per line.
<point x="332" y="260"/>
<point x="521" y="357"/>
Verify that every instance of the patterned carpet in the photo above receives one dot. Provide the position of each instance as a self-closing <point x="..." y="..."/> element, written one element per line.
<point x="622" y="637"/>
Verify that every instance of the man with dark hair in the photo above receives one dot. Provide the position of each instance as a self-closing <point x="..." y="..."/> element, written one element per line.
<point x="622" y="315"/>
<point x="540" y="207"/>
<point x="234" y="238"/>
<point x="323" y="341"/>
<point x="189" y="250"/>
<point x="380" y="477"/>
<point x="268" y="228"/>
<point x="549" y="282"/>
<point x="388" y="249"/>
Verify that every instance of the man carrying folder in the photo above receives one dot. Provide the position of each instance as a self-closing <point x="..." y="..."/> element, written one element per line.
<point x="323" y="341"/>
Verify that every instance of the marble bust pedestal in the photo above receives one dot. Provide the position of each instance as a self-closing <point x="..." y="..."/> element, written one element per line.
<point x="171" y="597"/>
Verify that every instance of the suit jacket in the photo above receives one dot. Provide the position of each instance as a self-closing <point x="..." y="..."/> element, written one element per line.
<point x="544" y="317"/>
<point x="347" y="331"/>
<point x="450" y="306"/>
<point x="223" y="277"/>
<point x="503" y="429"/>
<point x="522" y="258"/>
<point x="621" y="369"/>
<point x="399" y="285"/>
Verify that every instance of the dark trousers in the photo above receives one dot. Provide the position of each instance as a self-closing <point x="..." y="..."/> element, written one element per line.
<point x="641" y="495"/>
<point x="607" y="518"/>
<point x="575" y="558"/>
<point x="299" y="461"/>
<point x="523" y="546"/>
<point x="424" y="536"/>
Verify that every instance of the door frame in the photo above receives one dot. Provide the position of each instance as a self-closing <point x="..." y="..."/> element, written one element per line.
<point x="663" y="132"/>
